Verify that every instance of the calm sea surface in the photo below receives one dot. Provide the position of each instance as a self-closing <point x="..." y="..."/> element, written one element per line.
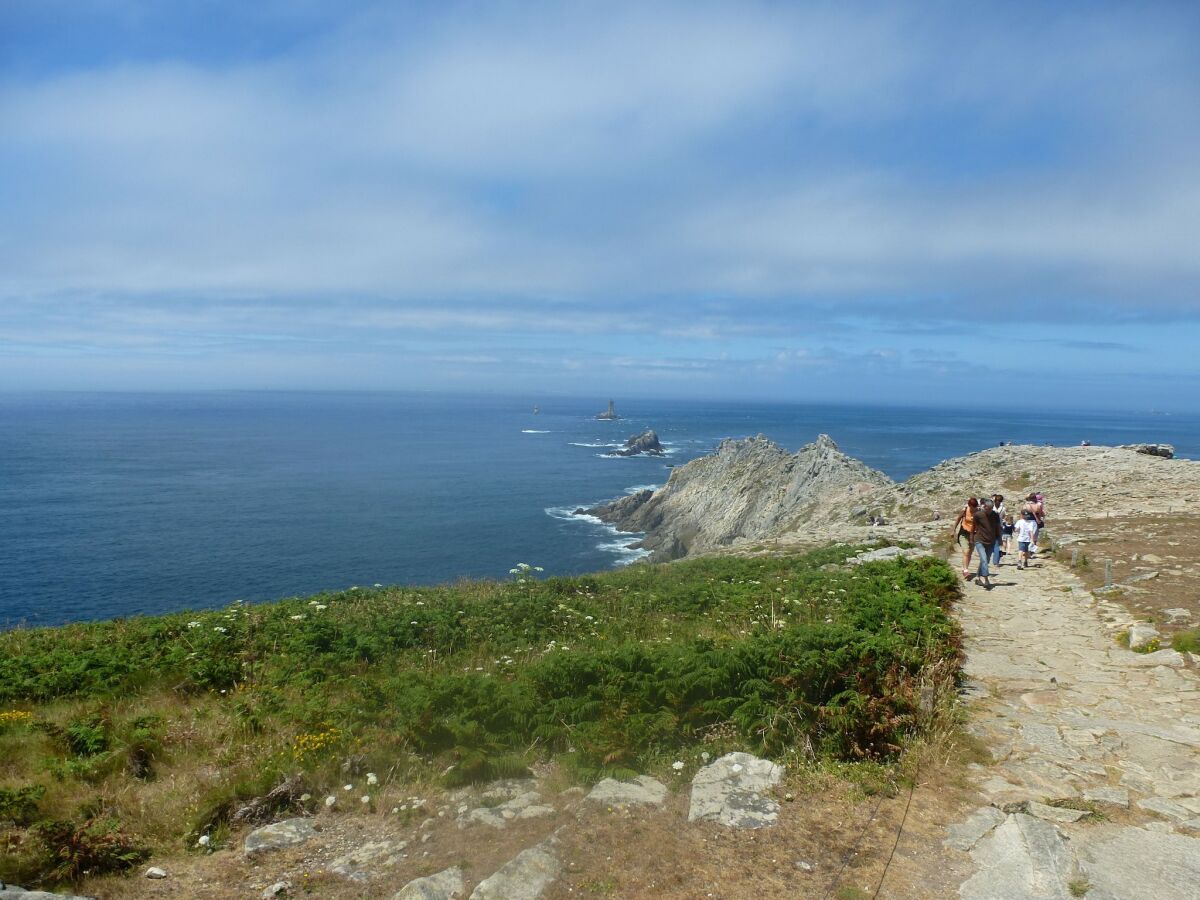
<point x="118" y="504"/>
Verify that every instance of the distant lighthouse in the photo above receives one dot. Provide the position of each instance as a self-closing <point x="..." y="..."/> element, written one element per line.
<point x="610" y="413"/>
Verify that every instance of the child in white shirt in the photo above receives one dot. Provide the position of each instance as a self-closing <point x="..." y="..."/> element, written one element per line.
<point x="1026" y="533"/>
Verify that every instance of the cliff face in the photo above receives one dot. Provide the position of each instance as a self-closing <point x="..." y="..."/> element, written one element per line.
<point x="747" y="489"/>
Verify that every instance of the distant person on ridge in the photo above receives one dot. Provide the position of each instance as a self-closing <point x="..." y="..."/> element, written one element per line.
<point x="986" y="535"/>
<point x="963" y="526"/>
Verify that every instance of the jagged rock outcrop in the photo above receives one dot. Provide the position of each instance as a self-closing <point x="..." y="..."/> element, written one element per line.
<point x="1166" y="451"/>
<point x="646" y="442"/>
<point x="747" y="489"/>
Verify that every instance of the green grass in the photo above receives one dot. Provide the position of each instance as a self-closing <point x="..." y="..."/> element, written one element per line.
<point x="604" y="674"/>
<point x="1186" y="641"/>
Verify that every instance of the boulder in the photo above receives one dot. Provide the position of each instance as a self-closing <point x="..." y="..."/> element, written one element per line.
<point x="642" y="789"/>
<point x="1113" y="796"/>
<point x="444" y="885"/>
<point x="524" y="877"/>
<point x="12" y="892"/>
<point x="288" y="833"/>
<point x="732" y="791"/>
<point x="364" y="861"/>
<point x="524" y="806"/>
<point x="1142" y="636"/>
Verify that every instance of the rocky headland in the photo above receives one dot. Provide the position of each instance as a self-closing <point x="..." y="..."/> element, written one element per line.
<point x="745" y="490"/>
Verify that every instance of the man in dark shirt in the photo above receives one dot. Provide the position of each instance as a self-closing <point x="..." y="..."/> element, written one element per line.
<point x="985" y="536"/>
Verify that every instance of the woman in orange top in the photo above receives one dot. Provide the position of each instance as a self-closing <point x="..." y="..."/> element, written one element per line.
<point x="963" y="526"/>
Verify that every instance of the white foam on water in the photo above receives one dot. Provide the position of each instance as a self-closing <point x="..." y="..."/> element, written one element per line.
<point x="642" y="487"/>
<point x="586" y="444"/>
<point x="626" y="553"/>
<point x="619" y="543"/>
<point x="533" y="431"/>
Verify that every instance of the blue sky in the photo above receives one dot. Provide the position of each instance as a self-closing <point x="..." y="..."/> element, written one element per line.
<point x="940" y="203"/>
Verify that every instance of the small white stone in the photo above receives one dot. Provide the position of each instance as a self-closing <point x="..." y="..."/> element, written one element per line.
<point x="155" y="872"/>
<point x="330" y="800"/>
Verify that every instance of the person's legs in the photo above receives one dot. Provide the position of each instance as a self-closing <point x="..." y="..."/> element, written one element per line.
<point x="1024" y="548"/>
<point x="983" y="551"/>
<point x="967" y="554"/>
<point x="996" y="553"/>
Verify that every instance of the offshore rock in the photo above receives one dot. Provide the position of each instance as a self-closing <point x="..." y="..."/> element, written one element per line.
<point x="745" y="490"/>
<point x="646" y="442"/>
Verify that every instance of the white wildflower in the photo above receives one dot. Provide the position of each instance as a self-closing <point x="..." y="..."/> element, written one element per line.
<point x="193" y="624"/>
<point x="221" y="629"/>
<point x="348" y="787"/>
<point x="364" y="799"/>
<point x="705" y="756"/>
<point x="298" y="618"/>
<point x="330" y="800"/>
<point x="320" y="606"/>
<point x="677" y="765"/>
<point x="372" y="778"/>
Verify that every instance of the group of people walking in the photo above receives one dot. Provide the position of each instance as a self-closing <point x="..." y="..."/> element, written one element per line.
<point x="987" y="530"/>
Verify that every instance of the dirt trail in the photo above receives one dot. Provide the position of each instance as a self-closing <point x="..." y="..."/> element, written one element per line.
<point x="1078" y="723"/>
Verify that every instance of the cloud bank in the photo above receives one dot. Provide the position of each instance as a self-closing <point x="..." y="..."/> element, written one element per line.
<point x="693" y="181"/>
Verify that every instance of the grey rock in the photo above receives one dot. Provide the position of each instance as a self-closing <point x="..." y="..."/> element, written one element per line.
<point x="288" y="833"/>
<point x="278" y="889"/>
<point x="1165" y="451"/>
<point x="363" y="862"/>
<point x="730" y="791"/>
<point x="1111" y="795"/>
<point x="156" y="872"/>
<point x="967" y="833"/>
<point x="13" y="892"/>
<point x="1171" y="658"/>
<point x="444" y="885"/>
<point x="1054" y="813"/>
<point x="1168" y="808"/>
<point x="1143" y="576"/>
<point x="1021" y="858"/>
<point x="886" y="553"/>
<point x="524" y="806"/>
<point x="1177" y="613"/>
<point x="642" y="789"/>
<point x="525" y="877"/>
<point x="645" y="443"/>
<point x="1141" y="635"/>
<point x="1138" y="863"/>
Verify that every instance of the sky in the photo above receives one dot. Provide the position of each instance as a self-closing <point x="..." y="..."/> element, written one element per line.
<point x="946" y="203"/>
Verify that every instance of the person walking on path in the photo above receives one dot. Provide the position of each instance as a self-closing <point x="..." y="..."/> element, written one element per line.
<point x="963" y="526"/>
<point x="985" y="535"/>
<point x="1036" y="504"/>
<point x="1026" y="535"/>
<point x="998" y="508"/>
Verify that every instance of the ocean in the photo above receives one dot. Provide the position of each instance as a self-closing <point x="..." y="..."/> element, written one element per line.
<point x="122" y="504"/>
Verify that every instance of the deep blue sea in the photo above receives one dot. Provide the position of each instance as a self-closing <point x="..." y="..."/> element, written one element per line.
<point x="118" y="504"/>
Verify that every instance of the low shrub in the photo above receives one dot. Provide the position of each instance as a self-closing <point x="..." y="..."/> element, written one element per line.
<point x="96" y="846"/>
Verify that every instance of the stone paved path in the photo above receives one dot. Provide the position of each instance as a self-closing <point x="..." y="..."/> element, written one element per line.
<point x="1071" y="716"/>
